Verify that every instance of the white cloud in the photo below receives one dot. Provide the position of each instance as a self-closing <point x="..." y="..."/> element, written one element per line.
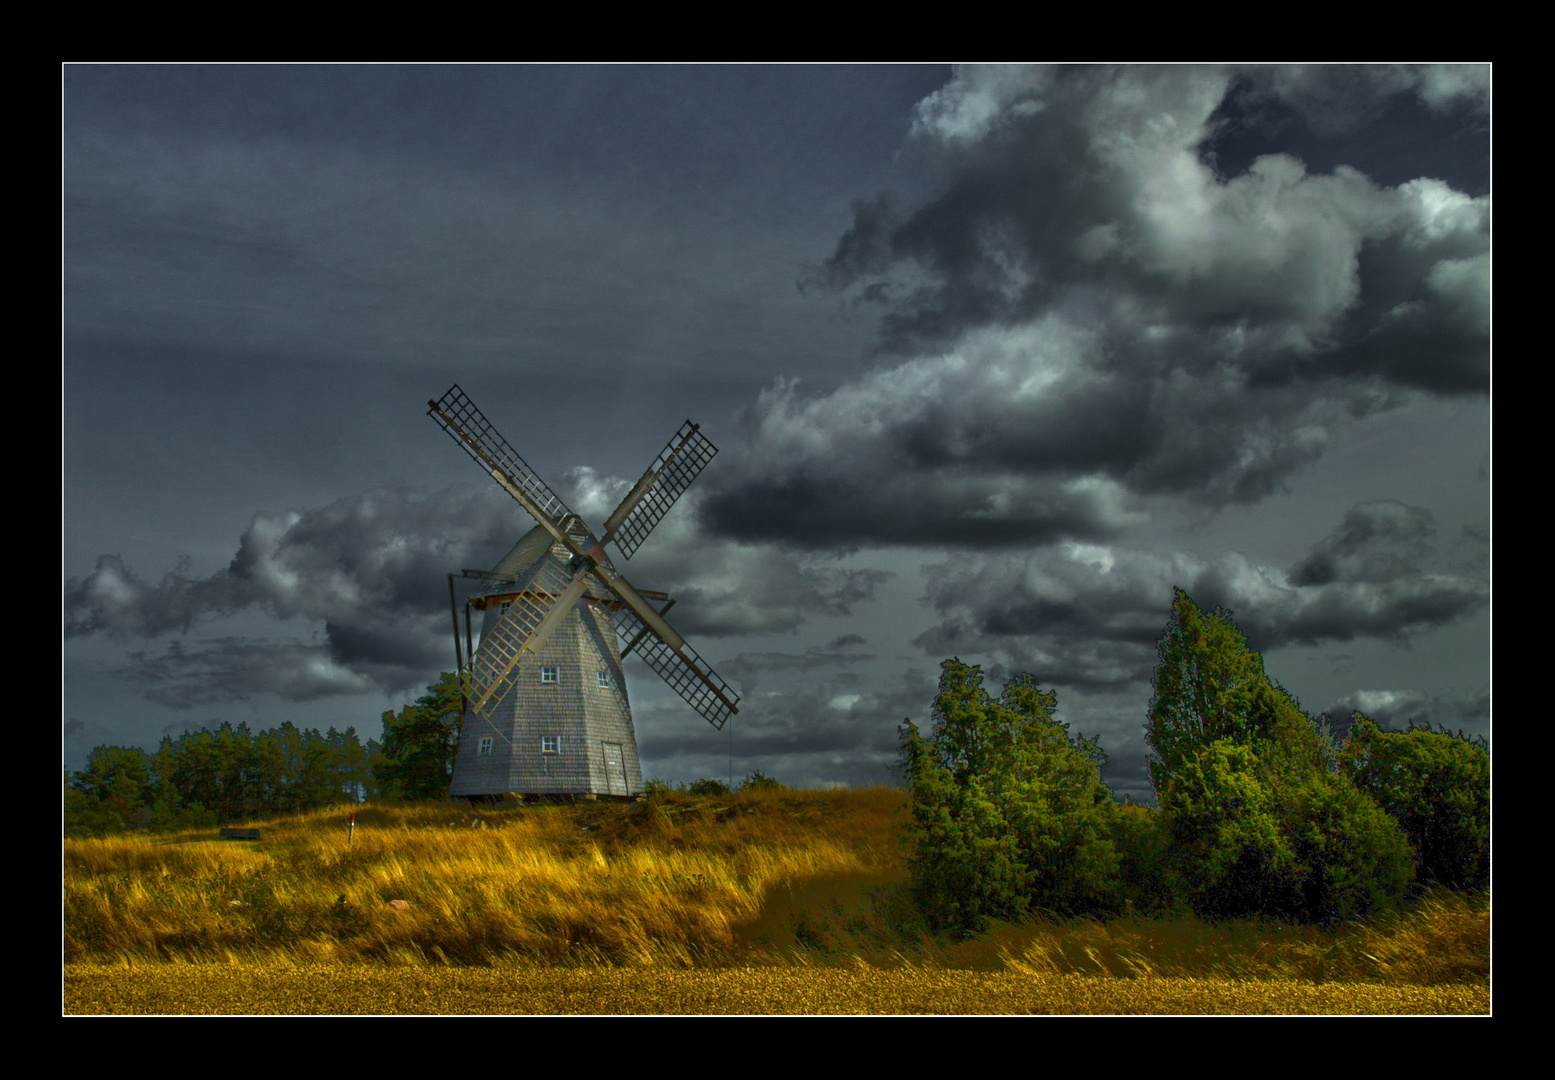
<point x="967" y="107"/>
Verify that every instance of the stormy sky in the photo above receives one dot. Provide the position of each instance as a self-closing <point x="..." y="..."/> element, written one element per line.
<point x="995" y="357"/>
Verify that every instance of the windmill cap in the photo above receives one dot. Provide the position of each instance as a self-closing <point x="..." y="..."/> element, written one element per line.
<point x="520" y="565"/>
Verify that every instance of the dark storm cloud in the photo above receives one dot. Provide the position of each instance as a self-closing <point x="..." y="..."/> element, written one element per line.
<point x="1090" y="615"/>
<point x="1337" y="98"/>
<point x="747" y="670"/>
<point x="1378" y="541"/>
<point x="235" y="669"/>
<point x="471" y="213"/>
<point x="112" y="599"/>
<point x="1097" y="314"/>
<point x="837" y="651"/>
<point x="1470" y="551"/>
<point x="369" y="569"/>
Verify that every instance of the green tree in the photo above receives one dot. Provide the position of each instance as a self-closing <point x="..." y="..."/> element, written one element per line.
<point x="419" y="744"/>
<point x="1009" y="811"/>
<point x="1257" y="818"/>
<point x="1228" y="840"/>
<point x="1248" y="841"/>
<point x="119" y="777"/>
<point x="1209" y="684"/>
<point x="759" y="781"/>
<point x="1140" y="841"/>
<point x="1437" y="787"/>
<point x="348" y="766"/>
<point x="1353" y="857"/>
<point x="308" y="783"/>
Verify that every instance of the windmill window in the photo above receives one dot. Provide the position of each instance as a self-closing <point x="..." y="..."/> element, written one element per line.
<point x="604" y="680"/>
<point x="483" y="748"/>
<point x="550" y="673"/>
<point x="550" y="744"/>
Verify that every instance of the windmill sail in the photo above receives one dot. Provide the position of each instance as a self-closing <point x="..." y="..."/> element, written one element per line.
<point x="686" y="672"/>
<point x="532" y="615"/>
<point x="456" y="414"/>
<point x="666" y="480"/>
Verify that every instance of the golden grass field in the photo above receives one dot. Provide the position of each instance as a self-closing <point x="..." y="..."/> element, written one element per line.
<point x="781" y="901"/>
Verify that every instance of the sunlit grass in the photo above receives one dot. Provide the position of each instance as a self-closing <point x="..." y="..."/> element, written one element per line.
<point x="687" y="890"/>
<point x="661" y="882"/>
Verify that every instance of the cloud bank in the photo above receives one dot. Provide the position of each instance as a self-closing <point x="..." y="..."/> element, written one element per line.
<point x="367" y="575"/>
<point x="1089" y="314"/>
<point x="1094" y="612"/>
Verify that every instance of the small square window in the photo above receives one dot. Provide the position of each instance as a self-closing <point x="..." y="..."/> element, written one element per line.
<point x="604" y="680"/>
<point x="483" y="748"/>
<point x="550" y="673"/>
<point x="550" y="744"/>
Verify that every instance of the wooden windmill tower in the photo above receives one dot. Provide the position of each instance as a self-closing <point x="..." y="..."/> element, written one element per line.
<point x="545" y="696"/>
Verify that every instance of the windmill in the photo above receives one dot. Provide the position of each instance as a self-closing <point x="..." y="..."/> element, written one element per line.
<point x="545" y="688"/>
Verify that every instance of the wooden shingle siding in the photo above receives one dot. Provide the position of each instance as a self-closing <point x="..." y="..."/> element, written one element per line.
<point x="576" y="708"/>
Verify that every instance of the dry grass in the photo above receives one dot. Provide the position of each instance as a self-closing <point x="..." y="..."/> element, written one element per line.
<point x="682" y="894"/>
<point x="666" y="882"/>
<point x="1444" y="940"/>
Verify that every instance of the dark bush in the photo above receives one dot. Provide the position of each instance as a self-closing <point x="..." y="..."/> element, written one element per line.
<point x="1437" y="787"/>
<point x="1353" y="857"/>
<point x="1009" y="812"/>
<point x="1231" y="854"/>
<point x="1144" y="869"/>
<point x="758" y="781"/>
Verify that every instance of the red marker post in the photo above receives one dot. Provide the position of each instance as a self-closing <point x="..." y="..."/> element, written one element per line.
<point x="351" y="835"/>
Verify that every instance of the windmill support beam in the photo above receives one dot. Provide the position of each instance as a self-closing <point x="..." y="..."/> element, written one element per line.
<point x="453" y="609"/>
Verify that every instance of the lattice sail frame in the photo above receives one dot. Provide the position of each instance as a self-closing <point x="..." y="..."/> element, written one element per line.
<point x="686" y="673"/>
<point x="538" y="610"/>
<point x="491" y="451"/>
<point x="671" y="473"/>
<point x="519" y="632"/>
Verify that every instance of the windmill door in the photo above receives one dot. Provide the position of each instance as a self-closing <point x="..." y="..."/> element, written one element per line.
<point x="615" y="769"/>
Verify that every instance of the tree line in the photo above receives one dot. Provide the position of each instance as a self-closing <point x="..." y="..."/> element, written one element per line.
<point x="1263" y="811"/>
<point x="206" y="777"/>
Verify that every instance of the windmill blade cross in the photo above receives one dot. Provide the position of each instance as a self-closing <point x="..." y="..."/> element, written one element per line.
<point x="671" y="473"/>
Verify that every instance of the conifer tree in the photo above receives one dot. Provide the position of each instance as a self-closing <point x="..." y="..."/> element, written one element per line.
<point x="419" y="744"/>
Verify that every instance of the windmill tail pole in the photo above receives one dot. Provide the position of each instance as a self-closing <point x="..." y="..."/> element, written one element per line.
<point x="453" y="608"/>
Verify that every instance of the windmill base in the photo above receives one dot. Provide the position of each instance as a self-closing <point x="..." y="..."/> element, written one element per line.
<point x="567" y="799"/>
